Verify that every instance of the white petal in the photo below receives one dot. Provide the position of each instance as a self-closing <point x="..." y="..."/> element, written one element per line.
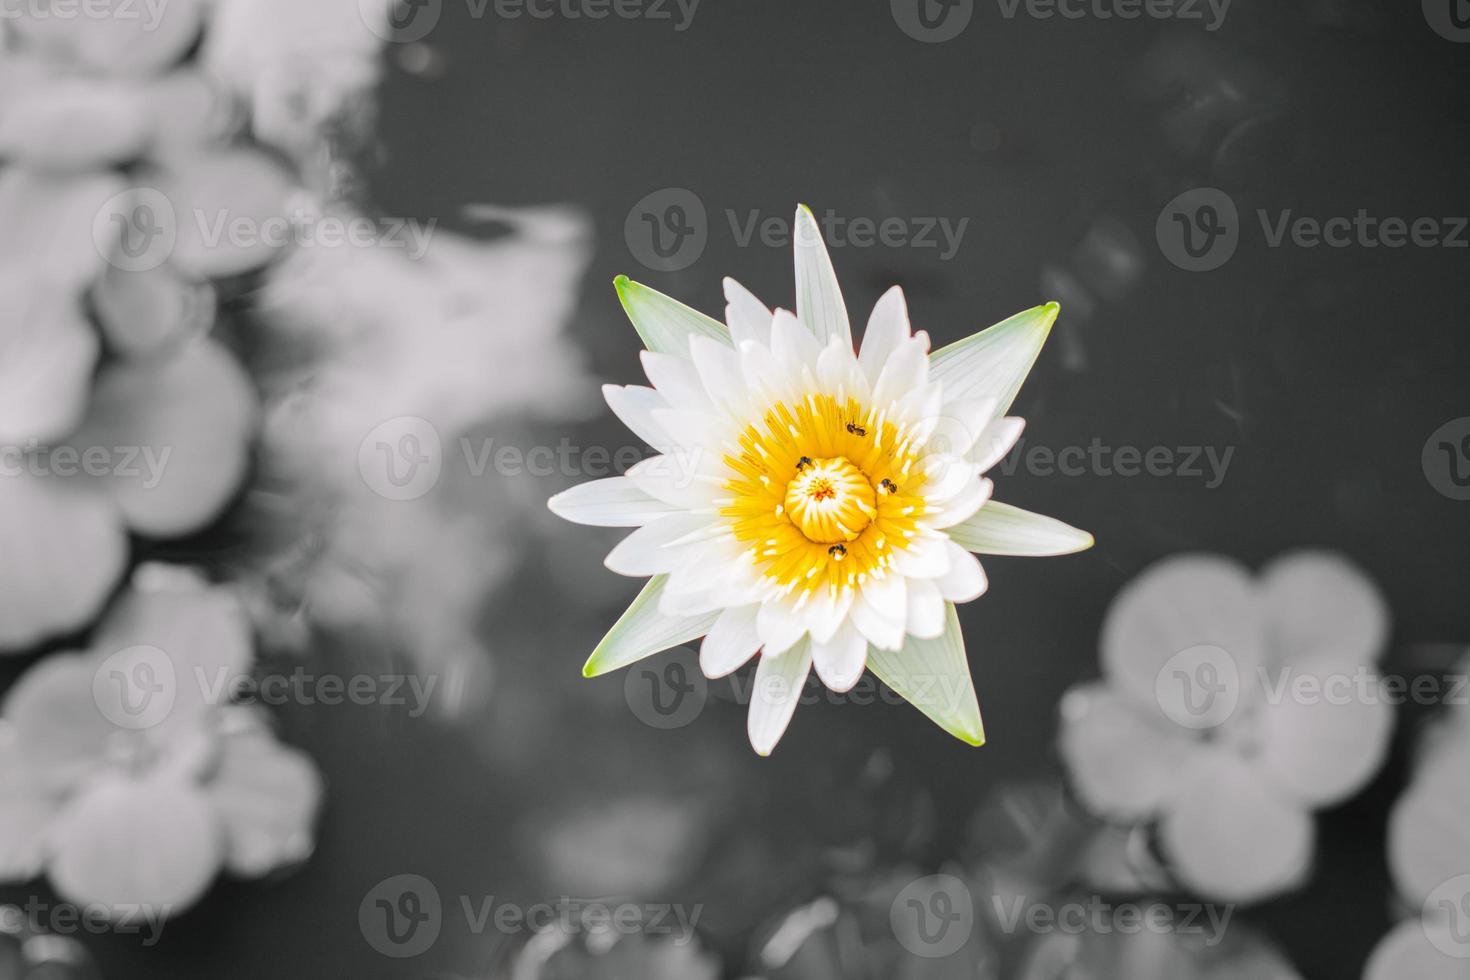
<point x="999" y="438"/>
<point x="887" y="328"/>
<point x="766" y="378"/>
<point x="780" y="626"/>
<point x="651" y="549"/>
<point x="634" y="406"/>
<point x="731" y="642"/>
<point x="779" y="681"/>
<point x="1321" y="607"/>
<point x="818" y="297"/>
<point x="677" y="380"/>
<point x="746" y="316"/>
<point x="841" y="660"/>
<point x="612" y="502"/>
<point x="675" y="479"/>
<point x="926" y="609"/>
<point x="664" y="324"/>
<point x="994" y="362"/>
<point x="945" y="476"/>
<point x="885" y="633"/>
<point x="643" y="631"/>
<point x="719" y="371"/>
<point x="906" y="371"/>
<point x="965" y="579"/>
<point x="1000" y="529"/>
<point x="887" y="596"/>
<point x="793" y="344"/>
<point x="962" y="506"/>
<point x="922" y="556"/>
<point x="837" y="371"/>
<point x="960" y="425"/>
<point x="824" y="614"/>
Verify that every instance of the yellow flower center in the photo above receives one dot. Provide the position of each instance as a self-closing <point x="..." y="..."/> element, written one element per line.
<point x="824" y="490"/>
<point x="830" y="500"/>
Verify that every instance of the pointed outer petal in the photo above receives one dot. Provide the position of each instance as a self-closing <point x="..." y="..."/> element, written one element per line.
<point x="999" y="438"/>
<point x="965" y="580"/>
<point x="204" y="631"/>
<point x="1123" y="765"/>
<point x="926" y="610"/>
<point x="924" y="556"/>
<point x="959" y="425"/>
<point x="1322" y="749"/>
<point x="837" y="370"/>
<point x="934" y="676"/>
<point x="615" y="501"/>
<point x="634" y="406"/>
<point x="1229" y="836"/>
<point x="888" y="327"/>
<point x="1408" y="953"/>
<point x="731" y="642"/>
<point x="1189" y="604"/>
<point x="665" y="324"/>
<point x="994" y="362"/>
<point x="676" y="479"/>
<point x="658" y="546"/>
<point x="643" y="631"/>
<point x="779" y="681"/>
<point x="961" y="507"/>
<point x="819" y="301"/>
<point x="1428" y="835"/>
<point x="58" y="731"/>
<point x="780" y="626"/>
<point x="1320" y="607"/>
<point x="65" y="548"/>
<point x="27" y="810"/>
<point x="266" y="795"/>
<point x="906" y="372"/>
<point x="794" y="346"/>
<point x="1000" y="529"/>
<point x="747" y="317"/>
<point x="151" y="841"/>
<point x="678" y="381"/>
<point x="193" y="416"/>
<point x="47" y="353"/>
<point x="719" y="371"/>
<point x="840" y="661"/>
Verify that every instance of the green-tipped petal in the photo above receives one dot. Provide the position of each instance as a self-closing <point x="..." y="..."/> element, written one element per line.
<point x="643" y="631"/>
<point x="994" y="362"/>
<point x="665" y="324"/>
<point x="1000" y="529"/>
<point x="934" y="676"/>
<point x="818" y="297"/>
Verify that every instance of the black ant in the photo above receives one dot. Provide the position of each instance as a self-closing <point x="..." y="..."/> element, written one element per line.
<point x="888" y="486"/>
<point x="856" y="429"/>
<point x="803" y="463"/>
<point x="838" y="551"/>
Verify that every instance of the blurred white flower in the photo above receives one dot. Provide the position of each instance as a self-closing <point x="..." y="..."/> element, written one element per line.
<point x="1231" y="708"/>
<point x="128" y="777"/>
<point x="1429" y="856"/>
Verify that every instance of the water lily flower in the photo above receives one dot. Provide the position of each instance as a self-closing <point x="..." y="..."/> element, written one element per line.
<point x="812" y="502"/>
<point x="127" y="774"/>
<point x="1232" y="707"/>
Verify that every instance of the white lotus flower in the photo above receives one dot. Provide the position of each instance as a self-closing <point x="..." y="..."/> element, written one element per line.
<point x="811" y="503"/>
